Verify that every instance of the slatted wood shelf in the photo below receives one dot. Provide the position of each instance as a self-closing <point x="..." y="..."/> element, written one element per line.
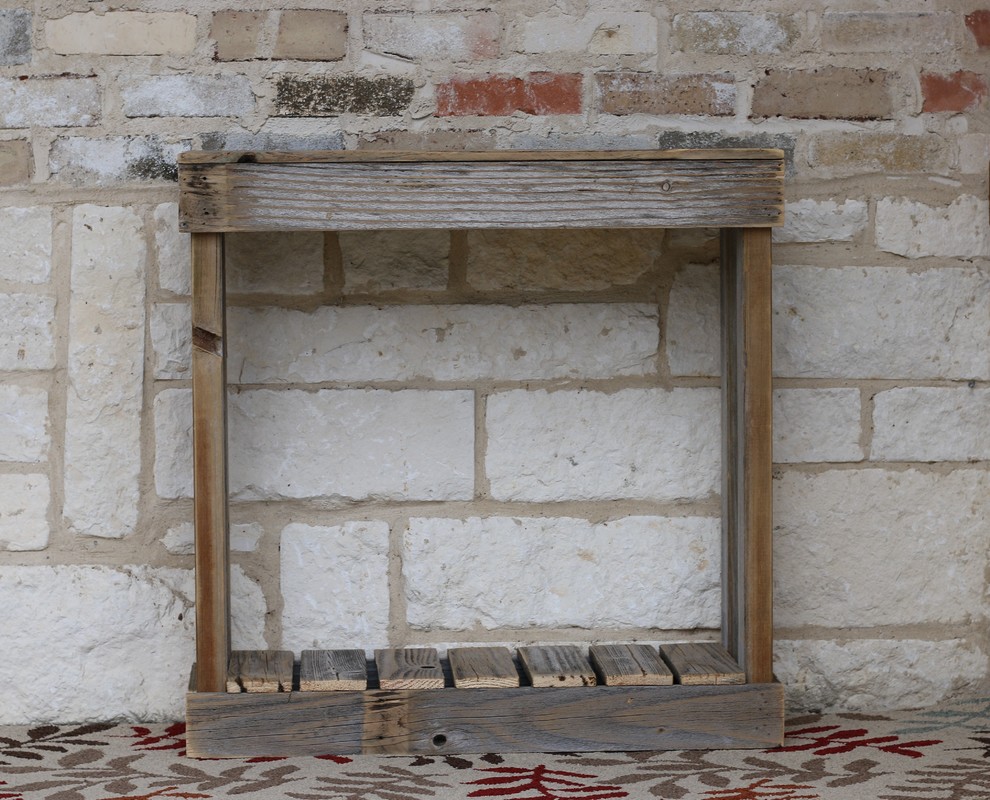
<point x="738" y="191"/>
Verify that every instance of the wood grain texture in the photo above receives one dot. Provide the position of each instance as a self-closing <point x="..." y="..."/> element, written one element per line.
<point x="702" y="664"/>
<point x="482" y="194"/>
<point x="333" y="671"/>
<point x="401" y="156"/>
<point x="209" y="390"/>
<point x="747" y="414"/>
<point x="482" y="667"/>
<point x="557" y="666"/>
<point x="523" y="720"/>
<point x="409" y="668"/>
<point x="260" y="671"/>
<point x="629" y="665"/>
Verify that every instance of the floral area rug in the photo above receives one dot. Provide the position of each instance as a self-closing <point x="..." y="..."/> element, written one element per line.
<point x="939" y="753"/>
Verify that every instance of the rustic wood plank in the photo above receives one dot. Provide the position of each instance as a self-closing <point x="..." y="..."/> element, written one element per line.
<point x="522" y="720"/>
<point x="209" y="390"/>
<point x="362" y="156"/>
<point x="482" y="667"/>
<point x="456" y="195"/>
<point x="702" y="664"/>
<point x="557" y="666"/>
<point x="747" y="414"/>
<point x="630" y="665"/>
<point x="333" y="671"/>
<point x="260" y="671"/>
<point x="409" y="668"/>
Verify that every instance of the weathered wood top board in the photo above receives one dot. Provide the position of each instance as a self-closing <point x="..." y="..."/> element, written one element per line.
<point x="329" y="190"/>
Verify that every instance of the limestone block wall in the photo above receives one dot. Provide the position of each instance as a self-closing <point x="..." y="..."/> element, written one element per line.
<point x="510" y="437"/>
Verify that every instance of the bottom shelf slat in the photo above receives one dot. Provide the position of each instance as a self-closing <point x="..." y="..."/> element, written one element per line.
<point x="518" y="720"/>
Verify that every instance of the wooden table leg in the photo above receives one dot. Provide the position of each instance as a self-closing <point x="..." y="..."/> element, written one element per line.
<point x="747" y="451"/>
<point x="209" y="386"/>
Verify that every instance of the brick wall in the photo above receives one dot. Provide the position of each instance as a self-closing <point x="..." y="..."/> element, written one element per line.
<point x="480" y="436"/>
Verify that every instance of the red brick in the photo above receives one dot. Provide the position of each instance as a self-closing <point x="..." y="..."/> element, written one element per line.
<point x="979" y="25"/>
<point x="648" y="93"/>
<point x="956" y="92"/>
<point x="501" y="95"/>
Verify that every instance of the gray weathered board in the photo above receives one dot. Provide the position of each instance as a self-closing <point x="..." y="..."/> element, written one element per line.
<point x="409" y="668"/>
<point x="702" y="663"/>
<point x="482" y="667"/>
<point x="260" y="671"/>
<point x="485" y="720"/>
<point x="629" y="665"/>
<point x="557" y="666"/>
<point x="332" y="671"/>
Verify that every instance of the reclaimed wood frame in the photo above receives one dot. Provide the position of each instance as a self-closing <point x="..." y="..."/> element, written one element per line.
<point x="739" y="191"/>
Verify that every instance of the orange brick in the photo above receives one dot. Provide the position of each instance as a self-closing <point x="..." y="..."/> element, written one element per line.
<point x="959" y="91"/>
<point x="979" y="25"/>
<point x="539" y="93"/>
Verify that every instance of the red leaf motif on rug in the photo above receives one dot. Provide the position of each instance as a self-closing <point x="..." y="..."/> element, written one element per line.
<point x="764" y="790"/>
<point x="173" y="738"/>
<point x="832" y="739"/>
<point x="541" y="783"/>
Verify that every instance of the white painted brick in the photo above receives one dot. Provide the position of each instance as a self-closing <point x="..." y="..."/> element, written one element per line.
<point x="122" y="33"/>
<point x="171" y="339"/>
<point x="931" y="424"/>
<point x="523" y="572"/>
<point x="693" y="322"/>
<point x="27" y="332"/>
<point x="180" y="540"/>
<point x="118" y="642"/>
<point x="603" y="33"/>
<point x="867" y="547"/>
<point x="382" y="260"/>
<point x="85" y="161"/>
<point x="49" y="102"/>
<point x="343" y="445"/>
<point x="274" y="262"/>
<point x="174" y="272"/>
<point x="335" y="584"/>
<point x="881" y="322"/>
<point x="24" y="503"/>
<point x="433" y="37"/>
<point x="974" y="153"/>
<point x="106" y="371"/>
<point x="23" y="423"/>
<point x="187" y="96"/>
<point x="26" y="244"/>
<point x="913" y="229"/>
<point x="811" y="425"/>
<point x="445" y="343"/>
<point x="877" y="675"/>
<point x="734" y="32"/>
<point x="822" y="221"/>
<point x="584" y="445"/>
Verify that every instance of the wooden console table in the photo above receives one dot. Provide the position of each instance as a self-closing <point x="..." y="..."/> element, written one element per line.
<point x="738" y="191"/>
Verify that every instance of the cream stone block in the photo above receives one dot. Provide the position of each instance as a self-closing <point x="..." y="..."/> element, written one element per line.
<point x="106" y="372"/>
<point x="603" y="33"/>
<point x="877" y="675"/>
<point x="384" y="260"/>
<point x="24" y="501"/>
<point x="118" y="642"/>
<point x="27" y="336"/>
<point x="342" y="445"/>
<point x="187" y="96"/>
<point x="122" y="33"/>
<point x="445" y="343"/>
<point x="646" y="444"/>
<point x="735" y="32"/>
<point x="23" y="423"/>
<point x="811" y="425"/>
<point x="335" y="584"/>
<point x="693" y="322"/>
<point x="281" y="262"/>
<point x="544" y="572"/>
<point x="931" y="424"/>
<point x="26" y="244"/>
<point x="869" y="547"/>
<point x="810" y="220"/>
<point x="172" y="248"/>
<point x="434" y="37"/>
<point x="111" y="160"/>
<point x="913" y="229"/>
<point x="171" y="340"/>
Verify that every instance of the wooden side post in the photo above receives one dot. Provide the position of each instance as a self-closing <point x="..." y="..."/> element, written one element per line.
<point x="209" y="387"/>
<point x="747" y="418"/>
